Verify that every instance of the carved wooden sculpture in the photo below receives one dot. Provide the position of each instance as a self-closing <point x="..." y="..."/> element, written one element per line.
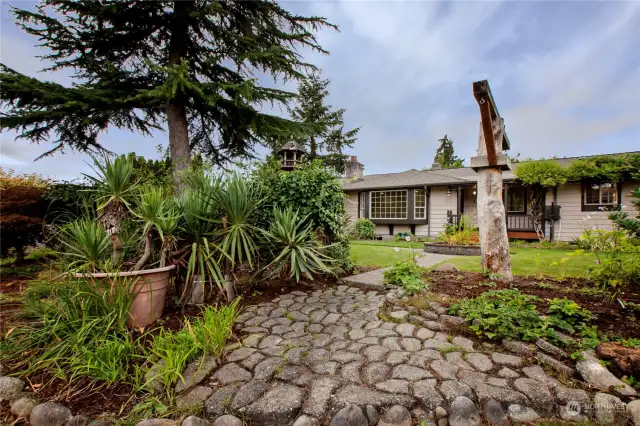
<point x="489" y="163"/>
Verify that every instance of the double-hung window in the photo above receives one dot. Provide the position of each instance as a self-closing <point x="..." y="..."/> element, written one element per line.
<point x="516" y="199"/>
<point x="388" y="204"/>
<point x="420" y="204"/>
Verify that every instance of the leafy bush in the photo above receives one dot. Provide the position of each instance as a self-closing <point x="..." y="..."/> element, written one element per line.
<point x="568" y="316"/>
<point x="602" y="240"/>
<point x="364" y="229"/>
<point x="315" y="192"/>
<point x="407" y="275"/>
<point x="466" y="236"/>
<point x="616" y="271"/>
<point x="502" y="314"/>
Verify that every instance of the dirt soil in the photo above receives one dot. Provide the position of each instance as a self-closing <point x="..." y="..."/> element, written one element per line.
<point x="611" y="317"/>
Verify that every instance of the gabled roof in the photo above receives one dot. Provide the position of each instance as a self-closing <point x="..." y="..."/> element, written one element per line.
<point x="415" y="178"/>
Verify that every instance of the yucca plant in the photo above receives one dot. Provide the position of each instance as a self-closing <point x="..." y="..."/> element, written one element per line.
<point x="85" y="244"/>
<point x="199" y="207"/>
<point x="149" y="210"/>
<point x="114" y="184"/>
<point x="293" y="246"/>
<point x="239" y="202"/>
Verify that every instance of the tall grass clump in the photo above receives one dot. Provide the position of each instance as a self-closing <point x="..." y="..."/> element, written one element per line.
<point x="80" y="325"/>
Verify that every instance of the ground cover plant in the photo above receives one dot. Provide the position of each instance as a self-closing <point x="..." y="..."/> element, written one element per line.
<point x="408" y="275"/>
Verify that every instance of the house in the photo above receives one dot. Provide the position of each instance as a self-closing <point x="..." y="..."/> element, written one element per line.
<point x="424" y="202"/>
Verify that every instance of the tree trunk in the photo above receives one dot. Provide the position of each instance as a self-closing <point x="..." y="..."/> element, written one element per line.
<point x="494" y="243"/>
<point x="117" y="249"/>
<point x="536" y="196"/>
<point x="312" y="148"/>
<point x="147" y="253"/>
<point x="176" y="107"/>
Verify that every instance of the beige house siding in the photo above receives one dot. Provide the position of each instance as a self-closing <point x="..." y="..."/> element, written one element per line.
<point x="422" y="230"/>
<point x="573" y="221"/>
<point x="440" y="203"/>
<point x="351" y="206"/>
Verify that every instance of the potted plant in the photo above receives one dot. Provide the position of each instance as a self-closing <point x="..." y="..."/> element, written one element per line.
<point x="86" y="241"/>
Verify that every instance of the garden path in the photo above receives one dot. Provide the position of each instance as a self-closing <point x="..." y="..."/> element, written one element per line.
<point x="373" y="279"/>
<point x="311" y="358"/>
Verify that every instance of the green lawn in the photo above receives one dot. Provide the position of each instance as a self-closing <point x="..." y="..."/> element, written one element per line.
<point x="406" y="244"/>
<point x="526" y="261"/>
<point x="380" y="256"/>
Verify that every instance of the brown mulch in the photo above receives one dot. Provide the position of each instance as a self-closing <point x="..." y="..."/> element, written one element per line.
<point x="611" y="318"/>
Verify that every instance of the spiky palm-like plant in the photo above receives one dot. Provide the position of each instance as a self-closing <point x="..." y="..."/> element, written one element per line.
<point x="114" y="185"/>
<point x="294" y="247"/>
<point x="85" y="244"/>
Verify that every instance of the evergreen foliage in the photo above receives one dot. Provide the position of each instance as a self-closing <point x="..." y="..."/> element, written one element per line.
<point x="185" y="65"/>
<point x="325" y="137"/>
<point x="445" y="155"/>
<point x="546" y="173"/>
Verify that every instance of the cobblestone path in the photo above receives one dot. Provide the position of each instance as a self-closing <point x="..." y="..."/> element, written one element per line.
<point x="315" y="358"/>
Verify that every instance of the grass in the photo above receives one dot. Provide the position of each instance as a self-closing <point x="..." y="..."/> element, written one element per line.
<point x="380" y="257"/>
<point x="405" y="244"/>
<point x="527" y="261"/>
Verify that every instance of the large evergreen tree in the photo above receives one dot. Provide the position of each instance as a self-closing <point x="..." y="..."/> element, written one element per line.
<point x="188" y="66"/>
<point x="325" y="137"/>
<point x="445" y="155"/>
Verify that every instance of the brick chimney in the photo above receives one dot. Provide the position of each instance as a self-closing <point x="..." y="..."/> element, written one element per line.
<point x="353" y="168"/>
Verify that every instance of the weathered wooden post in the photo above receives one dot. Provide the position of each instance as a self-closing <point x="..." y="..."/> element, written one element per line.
<point x="489" y="163"/>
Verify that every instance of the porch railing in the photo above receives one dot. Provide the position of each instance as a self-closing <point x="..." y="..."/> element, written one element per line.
<point x="519" y="223"/>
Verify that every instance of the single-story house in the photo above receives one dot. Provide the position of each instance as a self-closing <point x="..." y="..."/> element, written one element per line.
<point x="423" y="202"/>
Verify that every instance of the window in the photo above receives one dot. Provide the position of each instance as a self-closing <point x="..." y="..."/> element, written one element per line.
<point x="361" y="205"/>
<point x="420" y="204"/>
<point x="388" y="204"/>
<point x="600" y="194"/>
<point x="516" y="199"/>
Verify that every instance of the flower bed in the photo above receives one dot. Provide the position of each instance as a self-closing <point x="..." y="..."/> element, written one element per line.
<point x="454" y="250"/>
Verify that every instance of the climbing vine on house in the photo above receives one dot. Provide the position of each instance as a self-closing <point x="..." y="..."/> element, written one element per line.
<point x="541" y="174"/>
<point x="538" y="176"/>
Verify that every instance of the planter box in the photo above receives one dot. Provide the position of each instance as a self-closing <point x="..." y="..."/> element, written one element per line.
<point x="442" y="248"/>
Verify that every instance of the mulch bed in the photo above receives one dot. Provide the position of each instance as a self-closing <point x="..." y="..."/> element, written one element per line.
<point x="611" y="318"/>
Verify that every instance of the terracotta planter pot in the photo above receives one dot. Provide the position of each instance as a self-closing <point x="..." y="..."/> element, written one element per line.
<point x="149" y="286"/>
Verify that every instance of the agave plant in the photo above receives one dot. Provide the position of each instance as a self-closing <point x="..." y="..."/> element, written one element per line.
<point x="86" y="244"/>
<point x="114" y="184"/>
<point x="294" y="247"/>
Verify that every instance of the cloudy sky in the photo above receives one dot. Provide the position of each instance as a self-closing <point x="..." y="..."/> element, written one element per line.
<point x="564" y="74"/>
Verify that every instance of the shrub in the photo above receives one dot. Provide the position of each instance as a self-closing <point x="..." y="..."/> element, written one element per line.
<point x="364" y="229"/>
<point x="502" y="314"/>
<point x="601" y="240"/>
<point x="616" y="271"/>
<point x="22" y="208"/>
<point x="407" y="275"/>
<point x="315" y="192"/>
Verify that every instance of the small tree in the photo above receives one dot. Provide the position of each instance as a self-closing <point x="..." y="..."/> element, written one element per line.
<point x="539" y="175"/>
<point x="325" y="137"/>
<point x="445" y="155"/>
<point x="22" y="208"/>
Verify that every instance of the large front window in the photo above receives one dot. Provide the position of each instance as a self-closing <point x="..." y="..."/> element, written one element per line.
<point x="388" y="204"/>
<point x="420" y="201"/>
<point x="600" y="194"/>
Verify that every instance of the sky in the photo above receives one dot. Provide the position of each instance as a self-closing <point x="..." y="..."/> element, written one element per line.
<point x="565" y="77"/>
